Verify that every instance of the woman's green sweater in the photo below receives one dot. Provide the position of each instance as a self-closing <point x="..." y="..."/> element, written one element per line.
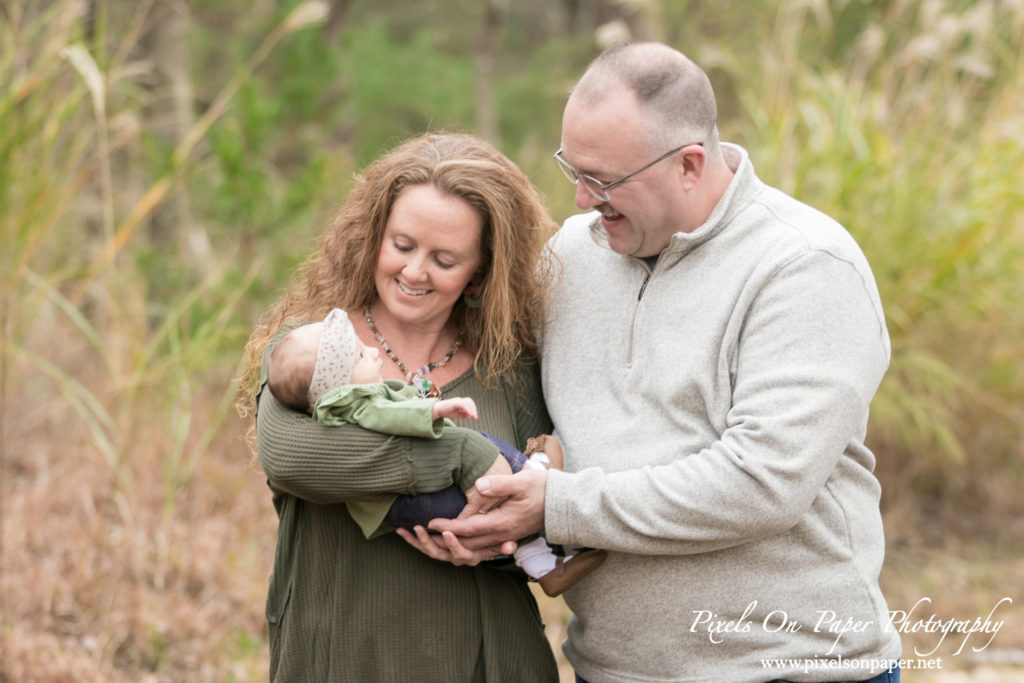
<point x="342" y="608"/>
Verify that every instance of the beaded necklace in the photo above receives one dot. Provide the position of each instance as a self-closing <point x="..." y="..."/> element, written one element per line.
<point x="416" y="379"/>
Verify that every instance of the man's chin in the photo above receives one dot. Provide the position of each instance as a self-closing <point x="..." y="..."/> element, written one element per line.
<point x="620" y="246"/>
<point x="617" y="235"/>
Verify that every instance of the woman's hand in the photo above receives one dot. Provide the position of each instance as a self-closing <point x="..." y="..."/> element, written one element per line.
<point x="447" y="548"/>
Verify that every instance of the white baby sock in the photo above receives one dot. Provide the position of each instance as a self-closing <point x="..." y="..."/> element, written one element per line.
<point x="535" y="558"/>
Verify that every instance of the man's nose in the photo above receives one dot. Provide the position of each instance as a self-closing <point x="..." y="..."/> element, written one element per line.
<point x="584" y="199"/>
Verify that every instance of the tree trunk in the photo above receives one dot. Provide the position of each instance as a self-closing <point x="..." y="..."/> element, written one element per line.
<point x="171" y="117"/>
<point x="336" y="19"/>
<point x="487" y="45"/>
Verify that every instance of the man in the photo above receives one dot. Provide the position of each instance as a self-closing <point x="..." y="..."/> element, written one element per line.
<point x="709" y="359"/>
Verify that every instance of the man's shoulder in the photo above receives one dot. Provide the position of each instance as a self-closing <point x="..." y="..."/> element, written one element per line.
<point x="575" y="228"/>
<point x="575" y="240"/>
<point x="803" y="227"/>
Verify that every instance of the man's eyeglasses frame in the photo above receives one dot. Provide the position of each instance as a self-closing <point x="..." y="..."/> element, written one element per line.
<point x="598" y="189"/>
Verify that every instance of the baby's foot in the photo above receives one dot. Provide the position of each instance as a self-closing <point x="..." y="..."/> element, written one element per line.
<point x="552" y="447"/>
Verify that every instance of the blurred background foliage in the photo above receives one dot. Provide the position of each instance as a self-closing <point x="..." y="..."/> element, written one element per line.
<point x="165" y="164"/>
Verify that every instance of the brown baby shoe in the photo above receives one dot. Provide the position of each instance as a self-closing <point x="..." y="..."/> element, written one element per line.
<point x="568" y="572"/>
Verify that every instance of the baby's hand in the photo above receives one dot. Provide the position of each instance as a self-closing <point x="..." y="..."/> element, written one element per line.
<point x="453" y="408"/>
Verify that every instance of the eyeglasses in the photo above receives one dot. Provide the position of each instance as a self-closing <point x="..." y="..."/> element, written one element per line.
<point x="599" y="190"/>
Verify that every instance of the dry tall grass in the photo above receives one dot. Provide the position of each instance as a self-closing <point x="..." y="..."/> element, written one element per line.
<point x="136" y="536"/>
<point x="102" y="582"/>
<point x="911" y="139"/>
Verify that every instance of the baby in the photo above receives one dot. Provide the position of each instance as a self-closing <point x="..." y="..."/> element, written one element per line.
<point x="325" y="369"/>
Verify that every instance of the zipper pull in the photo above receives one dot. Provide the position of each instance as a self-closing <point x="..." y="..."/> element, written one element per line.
<point x="643" y="286"/>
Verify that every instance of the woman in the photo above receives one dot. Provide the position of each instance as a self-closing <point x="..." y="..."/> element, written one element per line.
<point x="434" y="254"/>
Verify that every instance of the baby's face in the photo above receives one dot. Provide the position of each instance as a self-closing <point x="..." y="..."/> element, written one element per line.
<point x="366" y="369"/>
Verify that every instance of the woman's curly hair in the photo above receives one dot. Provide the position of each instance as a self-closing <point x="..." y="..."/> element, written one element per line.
<point x="516" y="273"/>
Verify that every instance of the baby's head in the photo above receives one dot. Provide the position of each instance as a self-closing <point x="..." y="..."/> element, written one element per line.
<point x="315" y="358"/>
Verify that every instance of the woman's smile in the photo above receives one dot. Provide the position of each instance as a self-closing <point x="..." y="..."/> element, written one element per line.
<point x="406" y="289"/>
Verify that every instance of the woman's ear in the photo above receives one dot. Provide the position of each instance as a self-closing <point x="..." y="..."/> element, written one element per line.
<point x="474" y="290"/>
<point x="475" y="285"/>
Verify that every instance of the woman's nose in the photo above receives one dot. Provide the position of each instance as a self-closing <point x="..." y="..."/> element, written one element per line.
<point x="414" y="269"/>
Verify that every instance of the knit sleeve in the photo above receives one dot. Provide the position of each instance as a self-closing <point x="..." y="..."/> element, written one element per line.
<point x="334" y="464"/>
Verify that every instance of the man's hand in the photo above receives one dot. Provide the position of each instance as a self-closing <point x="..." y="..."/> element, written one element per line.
<point x="516" y="510"/>
<point x="476" y="501"/>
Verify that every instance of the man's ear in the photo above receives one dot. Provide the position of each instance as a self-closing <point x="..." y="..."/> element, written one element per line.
<point x="692" y="162"/>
